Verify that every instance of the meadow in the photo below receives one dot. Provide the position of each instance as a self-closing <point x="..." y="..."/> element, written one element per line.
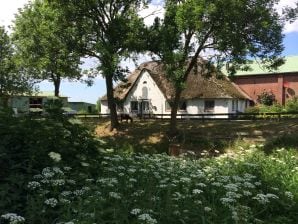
<point x="86" y="180"/>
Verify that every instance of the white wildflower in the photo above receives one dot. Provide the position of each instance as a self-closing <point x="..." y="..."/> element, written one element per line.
<point x="33" y="185"/>
<point x="55" y="156"/>
<point x="135" y="211"/>
<point x="196" y="191"/>
<point x="227" y="201"/>
<point x="289" y="195"/>
<point x="59" y="182"/>
<point x="147" y="218"/>
<point x="231" y="187"/>
<point x="247" y="193"/>
<point x="67" y="168"/>
<point x="52" y="202"/>
<point x="13" y="218"/>
<point x="114" y="195"/>
<point x="207" y="209"/>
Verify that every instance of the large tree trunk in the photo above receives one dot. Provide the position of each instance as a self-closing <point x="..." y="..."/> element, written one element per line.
<point x="57" y="87"/>
<point x="173" y="131"/>
<point x="111" y="103"/>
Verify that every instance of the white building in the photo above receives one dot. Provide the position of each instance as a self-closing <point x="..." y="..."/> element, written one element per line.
<point x="148" y="91"/>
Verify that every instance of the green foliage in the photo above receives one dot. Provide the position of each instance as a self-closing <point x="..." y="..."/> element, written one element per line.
<point x="248" y="187"/>
<point x="292" y="105"/>
<point x="254" y="109"/>
<point x="235" y="30"/>
<point x="283" y="141"/>
<point x="13" y="80"/>
<point x="290" y="13"/>
<point x="108" y="31"/>
<point x="54" y="108"/>
<point x="45" y="43"/>
<point x="266" y="98"/>
<point x="27" y="145"/>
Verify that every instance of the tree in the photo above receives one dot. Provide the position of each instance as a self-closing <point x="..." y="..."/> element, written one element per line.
<point x="13" y="79"/>
<point x="291" y="14"/>
<point x="234" y="31"/>
<point x="44" y="42"/>
<point x="109" y="31"/>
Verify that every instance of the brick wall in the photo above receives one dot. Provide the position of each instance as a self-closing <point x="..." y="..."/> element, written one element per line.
<point x="283" y="86"/>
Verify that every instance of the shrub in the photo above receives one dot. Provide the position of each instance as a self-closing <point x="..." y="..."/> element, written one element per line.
<point x="292" y="105"/>
<point x="274" y="108"/>
<point x="254" y="109"/>
<point x="27" y="145"/>
<point x="266" y="98"/>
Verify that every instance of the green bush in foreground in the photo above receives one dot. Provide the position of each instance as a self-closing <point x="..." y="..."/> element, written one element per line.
<point x="245" y="187"/>
<point x="27" y="145"/>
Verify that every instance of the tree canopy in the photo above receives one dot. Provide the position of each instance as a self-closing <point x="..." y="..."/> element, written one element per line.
<point x="109" y="31"/>
<point x="232" y="31"/>
<point x="13" y="79"/>
<point x="45" y="43"/>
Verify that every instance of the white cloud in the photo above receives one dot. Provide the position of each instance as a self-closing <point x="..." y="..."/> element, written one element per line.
<point x="289" y="27"/>
<point x="8" y="9"/>
<point x="152" y="11"/>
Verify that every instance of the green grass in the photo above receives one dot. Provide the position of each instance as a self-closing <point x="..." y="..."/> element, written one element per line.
<point x="150" y="136"/>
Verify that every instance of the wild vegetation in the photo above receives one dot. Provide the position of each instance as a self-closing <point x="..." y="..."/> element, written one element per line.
<point x="268" y="105"/>
<point x="57" y="169"/>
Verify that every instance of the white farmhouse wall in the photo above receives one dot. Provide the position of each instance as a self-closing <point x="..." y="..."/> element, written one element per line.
<point x="145" y="88"/>
<point x="155" y="96"/>
<point x="241" y="106"/>
<point x="104" y="109"/>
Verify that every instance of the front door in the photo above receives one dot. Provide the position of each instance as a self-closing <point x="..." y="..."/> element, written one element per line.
<point x="143" y="107"/>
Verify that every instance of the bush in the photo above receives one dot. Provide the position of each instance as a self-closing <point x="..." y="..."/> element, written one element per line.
<point x="292" y="105"/>
<point x="266" y="98"/>
<point x="27" y="145"/>
<point x="274" y="108"/>
<point x="252" y="110"/>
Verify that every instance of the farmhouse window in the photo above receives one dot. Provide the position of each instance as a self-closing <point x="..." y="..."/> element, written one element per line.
<point x="35" y="102"/>
<point x="209" y="106"/>
<point x="134" y="105"/>
<point x="234" y="105"/>
<point x="168" y="106"/>
<point x="182" y="105"/>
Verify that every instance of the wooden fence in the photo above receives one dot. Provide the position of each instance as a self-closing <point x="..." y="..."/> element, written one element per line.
<point x="218" y="116"/>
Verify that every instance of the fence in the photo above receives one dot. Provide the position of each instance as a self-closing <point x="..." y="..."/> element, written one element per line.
<point x="218" y="116"/>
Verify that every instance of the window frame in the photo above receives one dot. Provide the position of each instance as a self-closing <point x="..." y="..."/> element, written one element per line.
<point x="136" y="104"/>
<point x="182" y="102"/>
<point x="208" y="108"/>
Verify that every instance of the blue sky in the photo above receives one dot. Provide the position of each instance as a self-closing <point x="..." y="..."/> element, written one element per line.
<point x="77" y="91"/>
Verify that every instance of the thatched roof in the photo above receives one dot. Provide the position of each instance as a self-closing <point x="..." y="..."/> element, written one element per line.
<point x="199" y="84"/>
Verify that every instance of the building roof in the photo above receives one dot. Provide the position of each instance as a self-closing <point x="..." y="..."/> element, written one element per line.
<point x="42" y="94"/>
<point x="198" y="84"/>
<point x="80" y="103"/>
<point x="290" y="66"/>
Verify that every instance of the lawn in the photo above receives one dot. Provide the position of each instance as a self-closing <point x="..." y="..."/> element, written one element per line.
<point x="150" y="136"/>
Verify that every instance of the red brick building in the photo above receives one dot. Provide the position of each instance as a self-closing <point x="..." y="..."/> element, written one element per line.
<point x="282" y="83"/>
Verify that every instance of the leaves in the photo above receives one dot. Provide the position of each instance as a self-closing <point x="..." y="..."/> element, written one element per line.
<point x="233" y="31"/>
<point x="13" y="79"/>
<point x="45" y="43"/>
